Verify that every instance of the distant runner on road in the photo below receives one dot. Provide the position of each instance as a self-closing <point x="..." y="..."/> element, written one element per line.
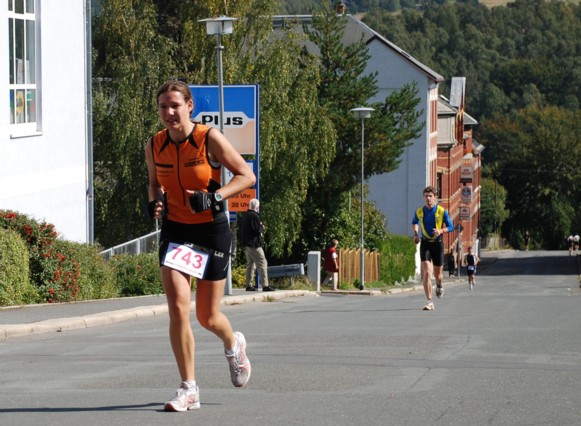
<point x="470" y="261"/>
<point x="433" y="220"/>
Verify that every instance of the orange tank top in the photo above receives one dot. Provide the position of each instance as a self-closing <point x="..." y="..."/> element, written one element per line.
<point x="185" y="166"/>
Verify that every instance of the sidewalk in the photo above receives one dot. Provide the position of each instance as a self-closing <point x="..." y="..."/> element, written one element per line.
<point x="47" y="318"/>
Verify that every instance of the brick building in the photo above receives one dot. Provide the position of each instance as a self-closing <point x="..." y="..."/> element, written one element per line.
<point x="458" y="169"/>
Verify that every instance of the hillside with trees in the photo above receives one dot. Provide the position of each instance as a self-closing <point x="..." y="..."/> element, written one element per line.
<point x="301" y="7"/>
<point x="523" y="72"/>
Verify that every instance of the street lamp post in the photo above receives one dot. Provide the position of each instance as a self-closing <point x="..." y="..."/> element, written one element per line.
<point x="218" y="26"/>
<point x="362" y="113"/>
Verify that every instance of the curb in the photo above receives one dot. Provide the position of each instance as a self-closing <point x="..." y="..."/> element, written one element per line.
<point x="111" y="317"/>
<point x="372" y="292"/>
<point x="58" y="325"/>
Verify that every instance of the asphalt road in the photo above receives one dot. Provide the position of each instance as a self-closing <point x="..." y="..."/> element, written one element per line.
<point x="506" y="353"/>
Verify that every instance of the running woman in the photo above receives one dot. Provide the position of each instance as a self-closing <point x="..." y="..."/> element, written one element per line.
<point x="186" y="192"/>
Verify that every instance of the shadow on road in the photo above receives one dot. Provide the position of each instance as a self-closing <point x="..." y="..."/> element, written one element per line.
<point x="529" y="263"/>
<point x="136" y="407"/>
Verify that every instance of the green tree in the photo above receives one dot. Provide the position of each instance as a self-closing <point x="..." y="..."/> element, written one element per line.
<point x="131" y="59"/>
<point x="297" y="138"/>
<point x="533" y="154"/>
<point x="290" y="114"/>
<point x="345" y="85"/>
<point x="493" y="210"/>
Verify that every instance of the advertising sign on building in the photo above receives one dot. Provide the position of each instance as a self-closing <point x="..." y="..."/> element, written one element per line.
<point x="240" y="113"/>
<point x="466" y="195"/>
<point x="466" y="172"/>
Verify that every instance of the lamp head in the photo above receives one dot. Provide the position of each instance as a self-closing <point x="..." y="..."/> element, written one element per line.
<point x="362" y="112"/>
<point x="219" y="25"/>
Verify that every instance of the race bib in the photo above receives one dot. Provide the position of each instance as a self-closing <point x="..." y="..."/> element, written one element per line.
<point x="471" y="267"/>
<point x="183" y="258"/>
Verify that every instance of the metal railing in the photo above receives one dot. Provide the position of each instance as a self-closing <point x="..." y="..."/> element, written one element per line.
<point x="145" y="244"/>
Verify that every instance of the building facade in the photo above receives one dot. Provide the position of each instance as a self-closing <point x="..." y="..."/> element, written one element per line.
<point x="45" y="120"/>
<point x="458" y="174"/>
<point x="398" y="194"/>
<point x="442" y="156"/>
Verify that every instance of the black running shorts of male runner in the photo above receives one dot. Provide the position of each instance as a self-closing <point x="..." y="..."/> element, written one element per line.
<point x="214" y="236"/>
<point x="432" y="251"/>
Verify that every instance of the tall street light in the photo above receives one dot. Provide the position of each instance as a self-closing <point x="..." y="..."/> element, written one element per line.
<point x="362" y="113"/>
<point x="218" y="26"/>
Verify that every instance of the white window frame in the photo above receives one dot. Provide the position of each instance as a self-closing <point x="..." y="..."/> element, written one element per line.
<point x="30" y="127"/>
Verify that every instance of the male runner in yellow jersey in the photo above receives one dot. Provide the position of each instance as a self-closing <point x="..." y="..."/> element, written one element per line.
<point x="429" y="223"/>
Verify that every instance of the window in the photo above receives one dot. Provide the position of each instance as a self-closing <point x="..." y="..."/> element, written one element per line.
<point x="23" y="51"/>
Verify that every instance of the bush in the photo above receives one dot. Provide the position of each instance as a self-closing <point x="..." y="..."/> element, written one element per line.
<point x="397" y="261"/>
<point x="97" y="279"/>
<point x="239" y="276"/>
<point x="53" y="271"/>
<point x="58" y="279"/>
<point x="61" y="271"/>
<point x="15" y="288"/>
<point x="137" y="275"/>
<point x="39" y="238"/>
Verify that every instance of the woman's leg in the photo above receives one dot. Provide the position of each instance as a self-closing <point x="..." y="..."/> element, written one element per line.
<point x="178" y="294"/>
<point x="208" y="298"/>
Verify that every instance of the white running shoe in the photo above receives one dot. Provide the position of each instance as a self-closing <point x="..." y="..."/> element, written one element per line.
<point x="239" y="363"/>
<point x="185" y="399"/>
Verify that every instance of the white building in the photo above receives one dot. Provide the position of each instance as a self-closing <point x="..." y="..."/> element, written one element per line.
<point x="45" y="128"/>
<point x="399" y="193"/>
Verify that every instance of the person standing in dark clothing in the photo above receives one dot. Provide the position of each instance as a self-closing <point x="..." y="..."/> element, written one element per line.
<point x="251" y="230"/>
<point x="451" y="263"/>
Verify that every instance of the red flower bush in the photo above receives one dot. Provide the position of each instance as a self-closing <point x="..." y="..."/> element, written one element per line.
<point x="53" y="270"/>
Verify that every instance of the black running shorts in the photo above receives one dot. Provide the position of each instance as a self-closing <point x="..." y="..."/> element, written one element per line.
<point x="432" y="251"/>
<point x="214" y="235"/>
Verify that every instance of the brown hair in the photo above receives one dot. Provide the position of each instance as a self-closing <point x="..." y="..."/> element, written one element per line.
<point x="174" y="86"/>
<point x="430" y="189"/>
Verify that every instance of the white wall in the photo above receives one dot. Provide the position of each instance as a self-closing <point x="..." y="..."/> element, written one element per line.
<point x="45" y="175"/>
<point x="399" y="193"/>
